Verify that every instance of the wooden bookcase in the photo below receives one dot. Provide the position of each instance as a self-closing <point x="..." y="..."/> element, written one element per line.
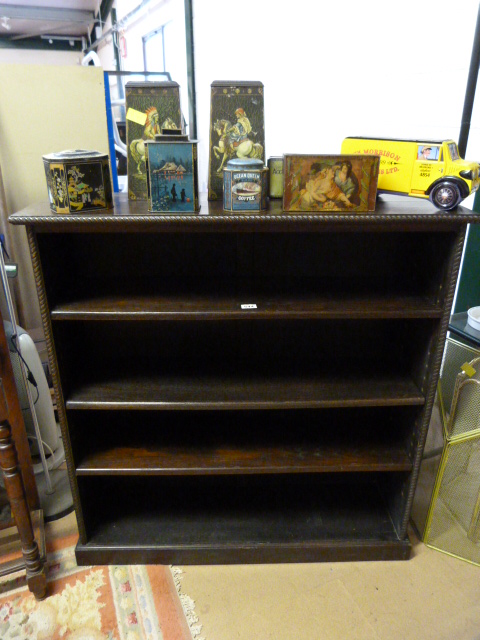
<point x="198" y="430"/>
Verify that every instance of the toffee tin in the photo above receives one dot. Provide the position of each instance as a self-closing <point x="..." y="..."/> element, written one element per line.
<point x="245" y="185"/>
<point x="78" y="181"/>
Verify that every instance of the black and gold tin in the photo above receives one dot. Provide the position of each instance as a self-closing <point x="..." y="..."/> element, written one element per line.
<point x="78" y="181"/>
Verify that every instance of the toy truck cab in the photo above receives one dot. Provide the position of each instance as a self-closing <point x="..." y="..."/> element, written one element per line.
<point x="419" y="168"/>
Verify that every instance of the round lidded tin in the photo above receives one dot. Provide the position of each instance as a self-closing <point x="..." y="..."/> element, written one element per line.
<point x="245" y="184"/>
<point x="78" y="181"/>
<point x="275" y="183"/>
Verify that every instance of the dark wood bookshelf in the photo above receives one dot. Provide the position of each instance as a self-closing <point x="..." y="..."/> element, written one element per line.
<point x="220" y="392"/>
<point x="287" y="430"/>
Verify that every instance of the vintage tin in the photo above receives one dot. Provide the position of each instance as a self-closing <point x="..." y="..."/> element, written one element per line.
<point x="275" y="177"/>
<point x="172" y="174"/>
<point x="78" y="181"/>
<point x="237" y="128"/>
<point x="150" y="108"/>
<point x="321" y="183"/>
<point x="245" y="185"/>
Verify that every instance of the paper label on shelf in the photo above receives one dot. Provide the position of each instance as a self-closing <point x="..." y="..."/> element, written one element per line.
<point x="468" y="369"/>
<point x="136" y="116"/>
<point x="248" y="306"/>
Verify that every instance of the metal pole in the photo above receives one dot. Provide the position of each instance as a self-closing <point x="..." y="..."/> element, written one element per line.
<point x="470" y="91"/>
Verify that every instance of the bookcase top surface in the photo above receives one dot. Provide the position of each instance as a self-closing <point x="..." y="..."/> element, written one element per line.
<point x="390" y="210"/>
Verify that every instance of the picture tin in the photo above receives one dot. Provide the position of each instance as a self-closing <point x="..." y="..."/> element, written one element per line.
<point x="78" y="181"/>
<point x="341" y="182"/>
<point x="172" y="174"/>
<point x="150" y="107"/>
<point x="245" y="185"/>
<point x="237" y="127"/>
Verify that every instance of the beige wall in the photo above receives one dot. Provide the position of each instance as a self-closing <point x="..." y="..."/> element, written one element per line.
<point x="43" y="109"/>
<point x="40" y="56"/>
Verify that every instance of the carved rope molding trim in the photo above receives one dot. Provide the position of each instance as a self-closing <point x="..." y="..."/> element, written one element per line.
<point x="240" y="219"/>
<point x="45" y="314"/>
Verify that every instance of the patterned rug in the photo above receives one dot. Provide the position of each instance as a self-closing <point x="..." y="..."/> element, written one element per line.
<point x="98" y="603"/>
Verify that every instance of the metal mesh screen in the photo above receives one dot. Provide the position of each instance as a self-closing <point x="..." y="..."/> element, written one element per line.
<point x="454" y="518"/>
<point x="453" y="523"/>
<point x="465" y="414"/>
<point x="454" y="356"/>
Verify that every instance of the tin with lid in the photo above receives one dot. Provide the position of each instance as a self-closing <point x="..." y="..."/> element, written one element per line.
<point x="245" y="185"/>
<point x="172" y="173"/>
<point x="78" y="180"/>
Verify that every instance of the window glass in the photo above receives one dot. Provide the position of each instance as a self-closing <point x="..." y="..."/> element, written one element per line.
<point x="453" y="149"/>
<point x="154" y="51"/>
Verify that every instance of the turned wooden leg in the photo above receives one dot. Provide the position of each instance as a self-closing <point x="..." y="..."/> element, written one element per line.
<point x="36" y="577"/>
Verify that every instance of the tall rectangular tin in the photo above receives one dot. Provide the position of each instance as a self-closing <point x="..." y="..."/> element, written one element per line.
<point x="237" y="128"/>
<point x="172" y="175"/>
<point x="150" y="107"/>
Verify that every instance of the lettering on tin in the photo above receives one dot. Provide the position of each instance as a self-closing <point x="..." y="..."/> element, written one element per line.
<point x="382" y="152"/>
<point x="246" y="198"/>
<point x="246" y="176"/>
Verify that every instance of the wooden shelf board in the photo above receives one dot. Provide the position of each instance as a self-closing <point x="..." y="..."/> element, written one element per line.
<point x="251" y="553"/>
<point x="239" y="460"/>
<point x="184" y="392"/>
<point x="218" y="307"/>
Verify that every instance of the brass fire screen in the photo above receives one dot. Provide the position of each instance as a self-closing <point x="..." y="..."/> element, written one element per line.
<point x="453" y="521"/>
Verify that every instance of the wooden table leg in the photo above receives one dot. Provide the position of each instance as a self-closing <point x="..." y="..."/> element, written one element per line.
<point x="36" y="577"/>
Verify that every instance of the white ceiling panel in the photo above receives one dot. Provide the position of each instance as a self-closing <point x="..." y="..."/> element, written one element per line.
<point x="48" y="17"/>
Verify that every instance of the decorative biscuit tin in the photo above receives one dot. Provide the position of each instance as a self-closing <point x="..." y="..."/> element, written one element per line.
<point x="78" y="180"/>
<point x="150" y="107"/>
<point x="330" y="183"/>
<point x="245" y="184"/>
<point x="275" y="177"/>
<point x="237" y="128"/>
<point x="172" y="174"/>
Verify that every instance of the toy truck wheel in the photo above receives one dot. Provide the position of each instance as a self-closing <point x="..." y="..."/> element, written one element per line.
<point x="446" y="195"/>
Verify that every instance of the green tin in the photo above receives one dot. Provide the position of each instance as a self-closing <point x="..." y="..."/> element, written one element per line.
<point x="275" y="176"/>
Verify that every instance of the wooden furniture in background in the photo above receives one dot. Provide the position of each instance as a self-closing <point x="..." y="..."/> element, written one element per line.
<point x="245" y="388"/>
<point x="16" y="465"/>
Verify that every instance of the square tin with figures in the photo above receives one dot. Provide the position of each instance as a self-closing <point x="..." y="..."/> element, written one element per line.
<point x="237" y="128"/>
<point x="172" y="175"/>
<point x="151" y="107"/>
<point x="320" y="183"/>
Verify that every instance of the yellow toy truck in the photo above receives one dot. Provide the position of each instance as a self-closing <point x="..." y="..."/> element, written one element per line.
<point x="423" y="169"/>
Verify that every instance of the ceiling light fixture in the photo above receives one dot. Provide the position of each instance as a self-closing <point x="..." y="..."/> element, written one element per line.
<point x="5" y="23"/>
